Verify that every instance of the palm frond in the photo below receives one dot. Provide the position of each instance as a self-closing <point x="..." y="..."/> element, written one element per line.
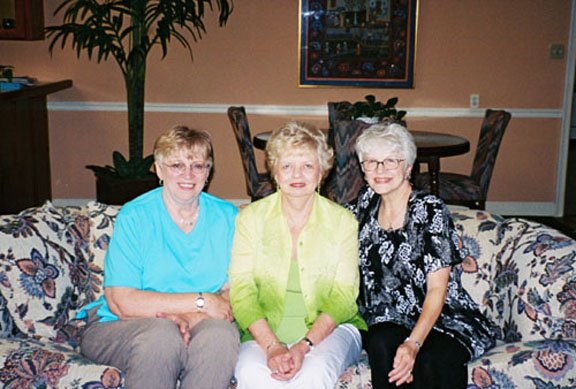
<point x="127" y="30"/>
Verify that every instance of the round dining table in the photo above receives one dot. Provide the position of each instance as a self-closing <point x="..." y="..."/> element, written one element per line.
<point x="431" y="147"/>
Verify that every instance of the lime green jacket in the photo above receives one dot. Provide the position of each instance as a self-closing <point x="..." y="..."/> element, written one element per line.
<point x="327" y="260"/>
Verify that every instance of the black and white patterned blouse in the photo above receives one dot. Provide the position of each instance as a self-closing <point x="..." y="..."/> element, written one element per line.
<point x="394" y="265"/>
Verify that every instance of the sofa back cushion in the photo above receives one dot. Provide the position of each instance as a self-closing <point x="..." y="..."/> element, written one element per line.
<point x="521" y="274"/>
<point x="43" y="256"/>
<point x="478" y="234"/>
<point x="102" y="217"/>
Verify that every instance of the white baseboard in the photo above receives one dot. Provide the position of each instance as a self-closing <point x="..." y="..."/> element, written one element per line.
<point x="71" y="202"/>
<point x="512" y="208"/>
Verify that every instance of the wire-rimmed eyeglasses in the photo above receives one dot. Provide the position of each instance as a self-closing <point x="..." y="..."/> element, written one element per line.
<point x="179" y="168"/>
<point x="388" y="163"/>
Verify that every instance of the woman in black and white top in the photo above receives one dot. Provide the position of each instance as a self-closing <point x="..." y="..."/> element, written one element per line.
<point x="423" y="326"/>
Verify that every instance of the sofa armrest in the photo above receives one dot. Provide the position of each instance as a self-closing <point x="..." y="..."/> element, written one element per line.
<point x="534" y="283"/>
<point x="521" y="274"/>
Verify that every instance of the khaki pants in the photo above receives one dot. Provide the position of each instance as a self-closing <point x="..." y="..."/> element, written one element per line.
<point x="153" y="355"/>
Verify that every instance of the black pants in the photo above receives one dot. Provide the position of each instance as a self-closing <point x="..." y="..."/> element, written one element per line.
<point x="440" y="363"/>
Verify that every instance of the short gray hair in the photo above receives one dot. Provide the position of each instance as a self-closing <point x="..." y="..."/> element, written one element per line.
<point x="395" y="137"/>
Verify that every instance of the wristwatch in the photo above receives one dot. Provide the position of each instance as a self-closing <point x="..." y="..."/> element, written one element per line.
<point x="309" y="343"/>
<point x="200" y="301"/>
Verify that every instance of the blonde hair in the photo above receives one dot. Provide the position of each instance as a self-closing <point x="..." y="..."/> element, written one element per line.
<point x="295" y="135"/>
<point x="196" y="142"/>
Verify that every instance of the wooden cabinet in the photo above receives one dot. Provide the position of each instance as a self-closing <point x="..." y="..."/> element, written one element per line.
<point x="22" y="19"/>
<point x="24" y="147"/>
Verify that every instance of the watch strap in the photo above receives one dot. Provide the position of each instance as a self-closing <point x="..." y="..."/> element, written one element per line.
<point x="308" y="342"/>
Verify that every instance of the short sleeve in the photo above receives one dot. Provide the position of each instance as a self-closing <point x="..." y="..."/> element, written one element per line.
<point x="440" y="240"/>
<point x="123" y="263"/>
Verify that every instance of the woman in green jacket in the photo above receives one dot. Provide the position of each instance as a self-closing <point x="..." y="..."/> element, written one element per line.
<point x="294" y="273"/>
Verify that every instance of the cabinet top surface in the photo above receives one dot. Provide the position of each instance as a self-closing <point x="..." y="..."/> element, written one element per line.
<point x="41" y="88"/>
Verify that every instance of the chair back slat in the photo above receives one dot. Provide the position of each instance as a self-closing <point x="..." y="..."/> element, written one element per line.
<point x="491" y="133"/>
<point x="239" y="121"/>
<point x="346" y="178"/>
<point x="337" y="110"/>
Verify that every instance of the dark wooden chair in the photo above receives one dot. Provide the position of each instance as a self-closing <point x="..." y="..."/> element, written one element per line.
<point x="472" y="190"/>
<point x="346" y="177"/>
<point x="337" y="110"/>
<point x="258" y="185"/>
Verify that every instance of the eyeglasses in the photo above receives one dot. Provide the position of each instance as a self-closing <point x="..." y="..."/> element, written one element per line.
<point x="388" y="163"/>
<point x="179" y="168"/>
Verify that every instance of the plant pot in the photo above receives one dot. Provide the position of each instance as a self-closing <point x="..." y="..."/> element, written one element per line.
<point x="117" y="191"/>
<point x="369" y="120"/>
<point x="374" y="120"/>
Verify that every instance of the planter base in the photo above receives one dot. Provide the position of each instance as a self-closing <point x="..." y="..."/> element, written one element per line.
<point x="115" y="191"/>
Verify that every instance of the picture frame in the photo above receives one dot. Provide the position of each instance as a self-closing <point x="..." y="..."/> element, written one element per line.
<point x="358" y="43"/>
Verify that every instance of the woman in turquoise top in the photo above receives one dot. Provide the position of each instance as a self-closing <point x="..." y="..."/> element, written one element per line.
<point x="165" y="317"/>
<point x="294" y="275"/>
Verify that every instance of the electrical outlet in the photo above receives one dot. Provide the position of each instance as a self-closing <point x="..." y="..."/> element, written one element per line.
<point x="556" y="51"/>
<point x="474" y="101"/>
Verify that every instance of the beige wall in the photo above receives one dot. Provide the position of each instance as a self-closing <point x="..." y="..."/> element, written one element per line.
<point x="497" y="49"/>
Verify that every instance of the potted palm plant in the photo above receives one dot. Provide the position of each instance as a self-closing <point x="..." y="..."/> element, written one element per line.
<point x="127" y="30"/>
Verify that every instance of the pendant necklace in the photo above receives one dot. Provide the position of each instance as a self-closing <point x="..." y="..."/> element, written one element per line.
<point x="192" y="221"/>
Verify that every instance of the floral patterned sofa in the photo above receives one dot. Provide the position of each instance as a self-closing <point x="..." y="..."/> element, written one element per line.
<point x="51" y="261"/>
<point x="522" y="274"/>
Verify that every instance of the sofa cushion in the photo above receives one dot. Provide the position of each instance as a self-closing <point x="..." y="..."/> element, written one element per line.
<point x="478" y="231"/>
<point x="43" y="255"/>
<point x="7" y="327"/>
<point x="102" y="217"/>
<point x="532" y="364"/>
<point x="35" y="364"/>
<point x="357" y="376"/>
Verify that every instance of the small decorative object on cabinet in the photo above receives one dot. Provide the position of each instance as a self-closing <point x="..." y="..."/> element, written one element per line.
<point x="6" y="74"/>
<point x="22" y="19"/>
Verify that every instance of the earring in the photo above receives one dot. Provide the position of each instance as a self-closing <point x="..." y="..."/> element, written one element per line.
<point x="161" y="181"/>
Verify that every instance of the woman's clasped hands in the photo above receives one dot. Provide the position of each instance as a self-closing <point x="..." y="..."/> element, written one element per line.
<point x="285" y="362"/>
<point x="216" y="307"/>
<point x="185" y="321"/>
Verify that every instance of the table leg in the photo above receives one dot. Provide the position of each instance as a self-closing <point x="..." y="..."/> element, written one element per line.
<point x="433" y="170"/>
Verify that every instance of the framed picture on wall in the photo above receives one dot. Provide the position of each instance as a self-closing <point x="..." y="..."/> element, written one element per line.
<point x="364" y="43"/>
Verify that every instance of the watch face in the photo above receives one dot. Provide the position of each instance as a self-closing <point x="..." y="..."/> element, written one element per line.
<point x="200" y="302"/>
